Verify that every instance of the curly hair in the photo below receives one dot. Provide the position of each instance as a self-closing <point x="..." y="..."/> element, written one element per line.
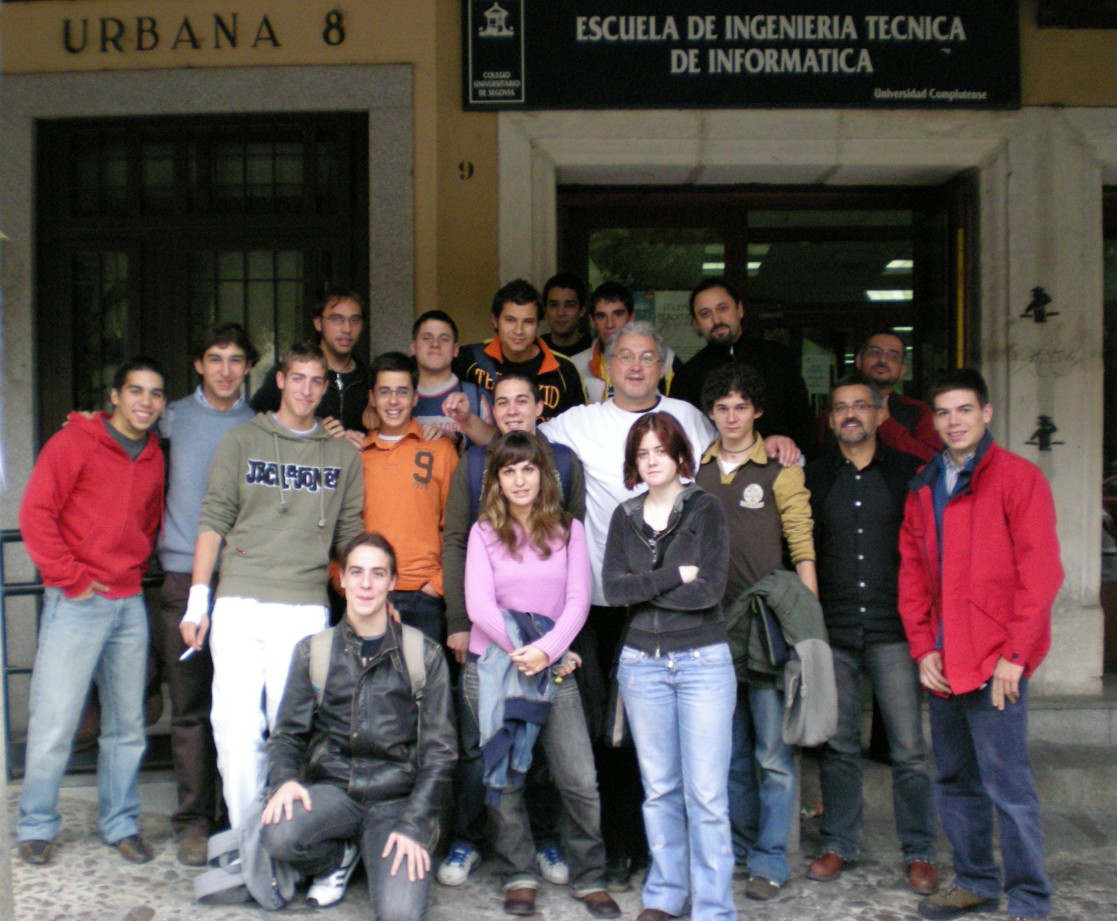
<point x="548" y="521"/>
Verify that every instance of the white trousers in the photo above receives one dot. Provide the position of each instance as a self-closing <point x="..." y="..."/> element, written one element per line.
<point x="251" y="643"/>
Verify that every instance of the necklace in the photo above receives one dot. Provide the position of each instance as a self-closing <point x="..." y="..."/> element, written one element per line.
<point x="752" y="445"/>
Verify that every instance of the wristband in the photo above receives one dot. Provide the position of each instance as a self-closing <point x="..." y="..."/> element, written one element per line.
<point x="197" y="604"/>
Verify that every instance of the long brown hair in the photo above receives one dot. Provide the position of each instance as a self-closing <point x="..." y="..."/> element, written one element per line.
<point x="548" y="521"/>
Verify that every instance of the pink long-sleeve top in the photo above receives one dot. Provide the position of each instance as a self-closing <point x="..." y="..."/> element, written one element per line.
<point x="557" y="587"/>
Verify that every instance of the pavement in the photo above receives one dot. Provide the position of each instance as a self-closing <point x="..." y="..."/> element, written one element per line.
<point x="88" y="880"/>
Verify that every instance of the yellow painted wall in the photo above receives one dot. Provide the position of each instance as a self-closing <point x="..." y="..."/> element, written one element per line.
<point x="455" y="151"/>
<point x="455" y="219"/>
<point x="1069" y="67"/>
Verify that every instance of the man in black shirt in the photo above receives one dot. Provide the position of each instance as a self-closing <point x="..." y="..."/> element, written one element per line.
<point x="338" y="318"/>
<point x="719" y="314"/>
<point x="564" y="305"/>
<point x="857" y="502"/>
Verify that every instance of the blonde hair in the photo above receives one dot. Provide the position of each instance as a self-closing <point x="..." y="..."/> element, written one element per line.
<point x="548" y="522"/>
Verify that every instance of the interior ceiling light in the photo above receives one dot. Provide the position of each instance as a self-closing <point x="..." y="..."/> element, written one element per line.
<point x="903" y="329"/>
<point x="898" y="294"/>
<point x="899" y="267"/>
<point x="713" y="266"/>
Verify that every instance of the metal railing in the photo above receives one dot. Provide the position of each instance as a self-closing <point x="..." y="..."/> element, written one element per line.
<point x="158" y="751"/>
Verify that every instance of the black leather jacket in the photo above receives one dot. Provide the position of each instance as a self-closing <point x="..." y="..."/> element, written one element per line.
<point x="369" y="736"/>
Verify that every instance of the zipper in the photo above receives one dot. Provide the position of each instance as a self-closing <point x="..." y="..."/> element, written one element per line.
<point x="653" y="544"/>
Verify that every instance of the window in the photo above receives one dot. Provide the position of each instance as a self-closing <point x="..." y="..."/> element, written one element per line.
<point x="152" y="228"/>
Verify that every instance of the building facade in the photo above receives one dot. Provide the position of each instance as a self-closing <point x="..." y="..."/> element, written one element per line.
<point x="164" y="163"/>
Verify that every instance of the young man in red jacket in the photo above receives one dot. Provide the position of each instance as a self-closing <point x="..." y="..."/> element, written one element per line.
<point x="89" y="518"/>
<point x="979" y="572"/>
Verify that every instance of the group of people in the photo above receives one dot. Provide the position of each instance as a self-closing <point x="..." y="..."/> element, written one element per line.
<point x="559" y="616"/>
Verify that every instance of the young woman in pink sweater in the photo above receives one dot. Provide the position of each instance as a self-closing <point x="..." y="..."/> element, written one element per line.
<point x="525" y="554"/>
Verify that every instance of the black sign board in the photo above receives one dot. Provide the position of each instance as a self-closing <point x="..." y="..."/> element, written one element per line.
<point x="685" y="54"/>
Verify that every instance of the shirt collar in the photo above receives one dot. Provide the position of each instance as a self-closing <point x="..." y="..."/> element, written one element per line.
<point x="200" y="397"/>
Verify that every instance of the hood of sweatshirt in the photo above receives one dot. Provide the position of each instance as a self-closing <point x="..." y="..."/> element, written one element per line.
<point x="94" y="428"/>
<point x="282" y="437"/>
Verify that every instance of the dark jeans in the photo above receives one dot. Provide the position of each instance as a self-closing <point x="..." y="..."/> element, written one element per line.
<point x="895" y="681"/>
<point x="471" y="816"/>
<point x="618" y="771"/>
<point x="422" y="611"/>
<point x="565" y="741"/>
<point x="200" y="808"/>
<point x="983" y="761"/>
<point x="312" y="842"/>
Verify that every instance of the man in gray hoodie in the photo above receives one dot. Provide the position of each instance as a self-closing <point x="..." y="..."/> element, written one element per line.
<point x="281" y="494"/>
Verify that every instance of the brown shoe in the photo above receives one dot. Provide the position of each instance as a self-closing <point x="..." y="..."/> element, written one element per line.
<point x="923" y="877"/>
<point x="36" y="851"/>
<point x="600" y="904"/>
<point x="761" y="889"/>
<point x="192" y="851"/>
<point x="134" y="849"/>
<point x="654" y="914"/>
<point x="519" y="901"/>
<point x="826" y="867"/>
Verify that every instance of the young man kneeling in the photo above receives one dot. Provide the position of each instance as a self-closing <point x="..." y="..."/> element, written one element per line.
<point x="375" y="756"/>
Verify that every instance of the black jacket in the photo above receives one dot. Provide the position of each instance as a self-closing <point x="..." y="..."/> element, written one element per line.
<point x="787" y="407"/>
<point x="370" y="737"/>
<point x="644" y="574"/>
<point x="846" y="629"/>
<point x="345" y="398"/>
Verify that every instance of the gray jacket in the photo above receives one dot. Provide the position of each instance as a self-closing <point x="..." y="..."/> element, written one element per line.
<point x="807" y="680"/>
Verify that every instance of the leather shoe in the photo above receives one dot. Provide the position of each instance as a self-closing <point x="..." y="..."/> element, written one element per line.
<point x="600" y="904"/>
<point x="519" y="901"/>
<point x="826" y="867"/>
<point x="654" y="914"/>
<point x="923" y="877"/>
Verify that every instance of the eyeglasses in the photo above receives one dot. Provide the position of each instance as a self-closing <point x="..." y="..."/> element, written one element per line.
<point x="337" y="319"/>
<point x="647" y="359"/>
<point x="875" y="351"/>
<point x="386" y="393"/>
<point x="840" y="409"/>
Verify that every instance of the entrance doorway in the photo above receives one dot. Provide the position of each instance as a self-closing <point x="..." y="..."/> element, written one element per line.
<point x="818" y="269"/>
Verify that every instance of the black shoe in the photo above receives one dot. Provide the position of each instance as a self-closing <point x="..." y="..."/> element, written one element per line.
<point x="35" y="852"/>
<point x="134" y="849"/>
<point x="618" y="872"/>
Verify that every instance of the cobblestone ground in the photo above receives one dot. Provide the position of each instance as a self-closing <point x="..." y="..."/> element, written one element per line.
<point x="88" y="880"/>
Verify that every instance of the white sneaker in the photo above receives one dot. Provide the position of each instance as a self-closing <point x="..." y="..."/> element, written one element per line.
<point x="329" y="888"/>
<point x="458" y="864"/>
<point x="552" y="866"/>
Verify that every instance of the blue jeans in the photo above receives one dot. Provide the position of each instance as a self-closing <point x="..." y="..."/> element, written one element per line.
<point x="983" y="761"/>
<point x="762" y="784"/>
<point x="312" y="842"/>
<point x="422" y="611"/>
<point x="680" y="709"/>
<point x="80" y="642"/>
<point x="895" y="680"/>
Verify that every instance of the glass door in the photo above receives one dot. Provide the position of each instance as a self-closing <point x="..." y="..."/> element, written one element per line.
<point x="818" y="270"/>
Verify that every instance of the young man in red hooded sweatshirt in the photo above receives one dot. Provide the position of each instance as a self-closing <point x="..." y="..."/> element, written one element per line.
<point x="89" y="518"/>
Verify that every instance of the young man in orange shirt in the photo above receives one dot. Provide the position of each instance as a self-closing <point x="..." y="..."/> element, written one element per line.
<point x="406" y="484"/>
